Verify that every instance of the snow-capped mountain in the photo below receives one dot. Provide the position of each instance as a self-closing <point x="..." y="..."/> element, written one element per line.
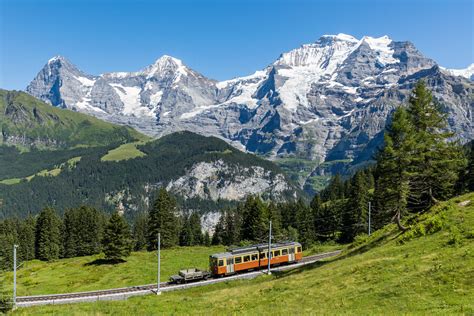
<point x="466" y="72"/>
<point x="324" y="101"/>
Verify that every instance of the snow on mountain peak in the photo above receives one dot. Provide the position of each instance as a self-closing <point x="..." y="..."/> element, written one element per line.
<point x="55" y="58"/>
<point x="382" y="46"/>
<point x="165" y="65"/>
<point x="58" y="59"/>
<point x="341" y="37"/>
<point x="466" y="72"/>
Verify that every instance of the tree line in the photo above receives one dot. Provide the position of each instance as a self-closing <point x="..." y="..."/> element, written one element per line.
<point x="417" y="166"/>
<point x="87" y="231"/>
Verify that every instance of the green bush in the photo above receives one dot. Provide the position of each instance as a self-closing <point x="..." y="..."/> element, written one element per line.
<point x="433" y="225"/>
<point x="455" y="237"/>
<point x="6" y="304"/>
<point x="359" y="240"/>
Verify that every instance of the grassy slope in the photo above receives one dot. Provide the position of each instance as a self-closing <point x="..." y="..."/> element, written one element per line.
<point x="428" y="274"/>
<point x="31" y="118"/>
<point x="123" y="152"/>
<point x="80" y="274"/>
<point x="44" y="173"/>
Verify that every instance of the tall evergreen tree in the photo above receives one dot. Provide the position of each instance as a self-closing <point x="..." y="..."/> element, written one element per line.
<point x="218" y="236"/>
<point x="207" y="239"/>
<point x="435" y="162"/>
<point x="317" y="211"/>
<point x="231" y="231"/>
<point x="393" y="183"/>
<point x="117" y="241"/>
<point x="196" y="229"/>
<point x="83" y="229"/>
<point x="26" y="238"/>
<point x="470" y="168"/>
<point x="335" y="189"/>
<point x="274" y="215"/>
<point x="354" y="216"/>
<point x="48" y="235"/>
<point x="162" y="218"/>
<point x="8" y="237"/>
<point x="253" y="224"/>
<point x="140" y="229"/>
<point x="305" y="224"/>
<point x="186" y="237"/>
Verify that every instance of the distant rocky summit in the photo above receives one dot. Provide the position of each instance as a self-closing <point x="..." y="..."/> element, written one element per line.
<point x="322" y="102"/>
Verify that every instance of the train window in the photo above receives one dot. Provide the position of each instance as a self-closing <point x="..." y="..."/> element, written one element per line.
<point x="292" y="250"/>
<point x="276" y="253"/>
<point x="299" y="249"/>
<point x="238" y="259"/>
<point x="221" y="263"/>
<point x="230" y="261"/>
<point x="246" y="258"/>
<point x="262" y="255"/>
<point x="284" y="252"/>
<point x="254" y="257"/>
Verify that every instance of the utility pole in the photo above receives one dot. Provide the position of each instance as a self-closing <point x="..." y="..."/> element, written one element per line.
<point x="159" y="266"/>
<point x="370" y="208"/>
<point x="269" y="247"/>
<point x="14" y="275"/>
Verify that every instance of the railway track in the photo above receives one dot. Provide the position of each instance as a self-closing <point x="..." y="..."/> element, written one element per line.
<point x="125" y="292"/>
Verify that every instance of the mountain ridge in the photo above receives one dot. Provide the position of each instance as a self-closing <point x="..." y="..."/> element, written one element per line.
<point x="322" y="101"/>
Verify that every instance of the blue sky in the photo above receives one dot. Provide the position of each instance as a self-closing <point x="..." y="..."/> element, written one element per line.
<point x="220" y="39"/>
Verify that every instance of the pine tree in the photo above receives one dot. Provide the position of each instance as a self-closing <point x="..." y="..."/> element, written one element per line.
<point x="69" y="233"/>
<point x="274" y="215"/>
<point x="218" y="236"/>
<point x="435" y="162"/>
<point x="354" y="216"/>
<point x="117" y="241"/>
<point x="207" y="239"/>
<point x="304" y="224"/>
<point x="162" y="218"/>
<point x="186" y="237"/>
<point x="253" y="224"/>
<point x="393" y="183"/>
<point x="317" y="213"/>
<point x="230" y="230"/>
<point x="82" y="231"/>
<point x="335" y="189"/>
<point x="140" y="227"/>
<point x="195" y="229"/>
<point x="26" y="238"/>
<point x="48" y="235"/>
<point x="470" y="168"/>
<point x="8" y="237"/>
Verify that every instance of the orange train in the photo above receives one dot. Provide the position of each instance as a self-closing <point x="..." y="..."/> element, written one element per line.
<point x="253" y="257"/>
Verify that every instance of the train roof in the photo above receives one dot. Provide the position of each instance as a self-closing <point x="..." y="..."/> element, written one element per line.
<point x="221" y="255"/>
<point x="253" y="248"/>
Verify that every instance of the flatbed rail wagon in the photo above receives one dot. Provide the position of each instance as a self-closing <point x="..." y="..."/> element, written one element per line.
<point x="189" y="275"/>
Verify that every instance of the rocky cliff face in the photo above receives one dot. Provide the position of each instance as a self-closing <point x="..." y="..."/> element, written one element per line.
<point x="218" y="180"/>
<point x="324" y="101"/>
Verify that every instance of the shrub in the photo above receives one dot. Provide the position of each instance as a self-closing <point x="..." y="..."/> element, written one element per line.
<point x="6" y="304"/>
<point x="359" y="240"/>
<point x="455" y="237"/>
<point x="433" y="225"/>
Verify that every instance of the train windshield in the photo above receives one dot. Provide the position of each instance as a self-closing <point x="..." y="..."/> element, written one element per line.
<point x="212" y="262"/>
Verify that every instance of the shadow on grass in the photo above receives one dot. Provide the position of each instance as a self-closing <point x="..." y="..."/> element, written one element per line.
<point x="102" y="261"/>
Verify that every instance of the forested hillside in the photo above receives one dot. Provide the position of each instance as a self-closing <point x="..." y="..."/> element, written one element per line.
<point x="106" y="184"/>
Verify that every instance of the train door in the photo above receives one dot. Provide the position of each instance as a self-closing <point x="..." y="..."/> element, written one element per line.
<point x="230" y="265"/>
<point x="291" y="254"/>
